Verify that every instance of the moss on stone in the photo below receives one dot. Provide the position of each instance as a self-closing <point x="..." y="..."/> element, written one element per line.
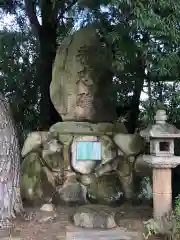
<point x="106" y="190"/>
<point x="34" y="182"/>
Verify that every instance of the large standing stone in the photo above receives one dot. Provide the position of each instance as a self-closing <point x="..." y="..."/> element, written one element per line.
<point x="82" y="78"/>
<point x="94" y="216"/>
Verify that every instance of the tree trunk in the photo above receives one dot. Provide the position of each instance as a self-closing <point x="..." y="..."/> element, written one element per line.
<point x="48" y="114"/>
<point x="160" y="91"/>
<point x="10" y="199"/>
<point x="46" y="36"/>
<point x="138" y="87"/>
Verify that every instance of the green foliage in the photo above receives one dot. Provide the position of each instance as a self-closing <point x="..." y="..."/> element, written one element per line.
<point x="168" y="226"/>
<point x="144" y="37"/>
<point x="18" y="58"/>
<point x="177" y="206"/>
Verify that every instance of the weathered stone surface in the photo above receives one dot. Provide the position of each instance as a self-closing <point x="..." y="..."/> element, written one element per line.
<point x="37" y="182"/>
<point x="118" y="233"/>
<point x="43" y="168"/>
<point x="141" y="167"/>
<point x="86" y="128"/>
<point x="33" y="141"/>
<point x="106" y="190"/>
<point x="124" y="167"/>
<point x="86" y="179"/>
<point x="94" y="216"/>
<point x="48" y="207"/>
<point x="129" y="144"/>
<point x="72" y="192"/>
<point x="81" y="79"/>
<point x="108" y="149"/>
<point x="52" y="146"/>
<point x="125" y="174"/>
<point x="65" y="139"/>
<point x="52" y="155"/>
<point x="106" y="168"/>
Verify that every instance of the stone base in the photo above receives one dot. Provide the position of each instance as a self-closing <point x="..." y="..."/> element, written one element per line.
<point x="75" y="233"/>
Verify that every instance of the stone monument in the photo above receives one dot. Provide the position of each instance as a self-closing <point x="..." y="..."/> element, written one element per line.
<point x="82" y="78"/>
<point x="81" y="93"/>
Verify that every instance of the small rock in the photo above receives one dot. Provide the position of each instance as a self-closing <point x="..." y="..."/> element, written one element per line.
<point x="94" y="216"/>
<point x="48" y="207"/>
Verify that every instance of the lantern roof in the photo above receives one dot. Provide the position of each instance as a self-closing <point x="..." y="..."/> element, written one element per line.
<point x="161" y="129"/>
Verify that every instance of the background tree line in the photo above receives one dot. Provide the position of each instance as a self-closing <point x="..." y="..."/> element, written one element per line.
<point x="144" y="37"/>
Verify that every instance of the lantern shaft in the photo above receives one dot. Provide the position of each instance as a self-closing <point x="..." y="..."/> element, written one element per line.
<point x="162" y="192"/>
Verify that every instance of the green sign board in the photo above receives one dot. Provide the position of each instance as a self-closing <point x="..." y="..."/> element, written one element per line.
<point x="88" y="150"/>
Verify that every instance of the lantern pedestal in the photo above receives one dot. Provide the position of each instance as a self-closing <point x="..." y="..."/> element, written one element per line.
<point x="162" y="192"/>
<point x="162" y="187"/>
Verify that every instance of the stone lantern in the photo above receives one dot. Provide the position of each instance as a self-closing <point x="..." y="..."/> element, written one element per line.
<point x="161" y="137"/>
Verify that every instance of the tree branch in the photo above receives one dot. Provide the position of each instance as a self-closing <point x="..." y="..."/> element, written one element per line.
<point x="31" y="12"/>
<point x="66" y="9"/>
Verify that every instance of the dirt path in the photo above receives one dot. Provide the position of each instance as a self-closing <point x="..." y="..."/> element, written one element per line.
<point x="50" y="230"/>
<point x="129" y="217"/>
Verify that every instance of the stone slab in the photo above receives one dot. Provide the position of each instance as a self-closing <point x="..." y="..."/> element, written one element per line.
<point x="119" y="233"/>
<point x="11" y="238"/>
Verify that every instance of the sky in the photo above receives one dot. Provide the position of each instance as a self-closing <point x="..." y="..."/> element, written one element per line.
<point x="7" y="21"/>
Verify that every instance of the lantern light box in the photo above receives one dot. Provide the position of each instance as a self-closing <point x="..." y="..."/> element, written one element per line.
<point x="88" y="150"/>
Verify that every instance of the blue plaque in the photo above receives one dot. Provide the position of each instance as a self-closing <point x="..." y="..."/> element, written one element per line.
<point x="88" y="150"/>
